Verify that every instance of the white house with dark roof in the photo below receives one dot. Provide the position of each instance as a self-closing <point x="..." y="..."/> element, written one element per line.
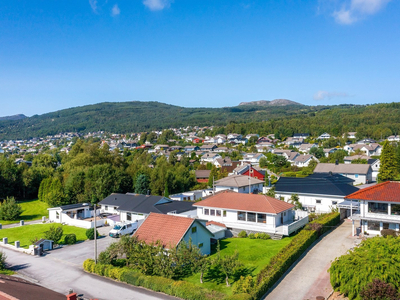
<point x="252" y="213"/>
<point x="304" y="160"/>
<point x="210" y="157"/>
<point x="252" y="158"/>
<point x="324" y="136"/>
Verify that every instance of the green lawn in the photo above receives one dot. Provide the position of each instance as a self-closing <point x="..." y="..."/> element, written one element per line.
<point x="254" y="254"/>
<point x="31" y="210"/>
<point x="24" y="234"/>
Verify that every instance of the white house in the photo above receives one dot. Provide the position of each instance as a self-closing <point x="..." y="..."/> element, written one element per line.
<point x="379" y="207"/>
<point x="191" y="195"/>
<point x="360" y="173"/>
<point x="239" y="184"/>
<point x="210" y="157"/>
<point x="80" y="215"/>
<point x="324" y="136"/>
<point x="252" y="213"/>
<point x="394" y="138"/>
<point x="304" y="160"/>
<point x="253" y="158"/>
<point x="318" y="192"/>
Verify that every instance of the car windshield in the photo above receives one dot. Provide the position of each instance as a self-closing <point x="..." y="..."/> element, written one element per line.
<point x="117" y="227"/>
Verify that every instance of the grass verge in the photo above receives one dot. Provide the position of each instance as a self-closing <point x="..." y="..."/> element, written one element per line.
<point x="31" y="210"/>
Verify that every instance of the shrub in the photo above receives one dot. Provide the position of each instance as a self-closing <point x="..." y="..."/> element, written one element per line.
<point x="314" y="226"/>
<point x="70" y="239"/>
<point x="252" y="236"/>
<point x="327" y="221"/>
<point x="263" y="236"/>
<point x="388" y="232"/>
<point x="54" y="233"/>
<point x="90" y="233"/>
<point x="379" y="290"/>
<point x="3" y="258"/>
<point x="242" y="234"/>
<point x="244" y="285"/>
<point x="10" y="210"/>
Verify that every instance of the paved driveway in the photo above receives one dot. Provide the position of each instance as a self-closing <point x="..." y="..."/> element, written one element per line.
<point x="309" y="278"/>
<point x="61" y="270"/>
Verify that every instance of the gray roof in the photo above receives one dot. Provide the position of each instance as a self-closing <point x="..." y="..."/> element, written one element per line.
<point x="202" y="173"/>
<point x="147" y="203"/>
<point x="342" y="168"/>
<point x="237" y="181"/>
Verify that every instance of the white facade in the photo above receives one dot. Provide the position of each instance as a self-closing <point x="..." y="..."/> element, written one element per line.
<point x="244" y="189"/>
<point x="313" y="202"/>
<point x="191" y="195"/>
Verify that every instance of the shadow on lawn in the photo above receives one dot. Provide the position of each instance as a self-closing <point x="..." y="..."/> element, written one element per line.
<point x="216" y="275"/>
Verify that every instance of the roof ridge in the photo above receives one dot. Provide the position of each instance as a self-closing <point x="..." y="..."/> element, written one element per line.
<point x="368" y="189"/>
<point x="273" y="208"/>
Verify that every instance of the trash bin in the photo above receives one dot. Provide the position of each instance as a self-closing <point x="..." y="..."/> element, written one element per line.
<point x="36" y="251"/>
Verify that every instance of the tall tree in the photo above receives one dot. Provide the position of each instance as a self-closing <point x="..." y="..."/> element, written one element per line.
<point x="389" y="164"/>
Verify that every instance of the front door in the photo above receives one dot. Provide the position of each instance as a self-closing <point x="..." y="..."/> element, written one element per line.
<point x="282" y="218"/>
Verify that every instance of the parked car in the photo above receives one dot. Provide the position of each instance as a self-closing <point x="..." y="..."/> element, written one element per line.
<point x="123" y="229"/>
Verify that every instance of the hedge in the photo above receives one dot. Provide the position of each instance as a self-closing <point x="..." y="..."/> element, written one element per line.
<point x="328" y="221"/>
<point x="181" y="289"/>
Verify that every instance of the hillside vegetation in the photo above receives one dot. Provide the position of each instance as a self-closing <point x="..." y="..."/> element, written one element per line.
<point x="376" y="121"/>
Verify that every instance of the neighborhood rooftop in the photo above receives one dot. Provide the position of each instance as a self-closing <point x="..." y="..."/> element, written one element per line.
<point x="388" y="191"/>
<point x="237" y="181"/>
<point x="342" y="168"/>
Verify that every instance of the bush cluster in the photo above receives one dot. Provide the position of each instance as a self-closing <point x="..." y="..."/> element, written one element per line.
<point x="70" y="239"/>
<point x="328" y="221"/>
<point x="388" y="232"/>
<point x="242" y="234"/>
<point x="259" y="235"/>
<point x="90" y="233"/>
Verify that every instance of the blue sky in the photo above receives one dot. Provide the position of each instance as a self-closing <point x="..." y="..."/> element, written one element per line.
<point x="208" y="53"/>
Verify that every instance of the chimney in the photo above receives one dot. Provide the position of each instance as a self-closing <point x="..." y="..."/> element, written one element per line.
<point x="72" y="296"/>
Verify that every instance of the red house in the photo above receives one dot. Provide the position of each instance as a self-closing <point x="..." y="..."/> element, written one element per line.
<point x="249" y="170"/>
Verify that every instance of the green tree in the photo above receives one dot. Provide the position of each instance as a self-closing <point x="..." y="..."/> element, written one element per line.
<point x="294" y="199"/>
<point x="54" y="233"/>
<point x="389" y="163"/>
<point x="10" y="210"/>
<point x="213" y="176"/>
<point x="142" y="184"/>
<point x="229" y="264"/>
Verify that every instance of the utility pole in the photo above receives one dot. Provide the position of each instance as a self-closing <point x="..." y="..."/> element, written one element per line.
<point x="95" y="235"/>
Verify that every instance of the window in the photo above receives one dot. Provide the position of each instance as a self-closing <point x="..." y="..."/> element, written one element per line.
<point x="284" y="213"/>
<point x="385" y="225"/>
<point x="318" y="201"/>
<point x="128" y="216"/>
<point x="212" y="212"/>
<point x="251" y="217"/>
<point x="57" y="215"/>
<point x="200" y="245"/>
<point x="206" y="211"/>
<point x="241" y="215"/>
<point x="194" y="229"/>
<point x="377" y="208"/>
<point x="224" y="213"/>
<point x="218" y="213"/>
<point x="261" y="218"/>
<point x="395" y="209"/>
<point x="374" y="225"/>
<point x="355" y="175"/>
<point x="106" y="207"/>
<point x="334" y="202"/>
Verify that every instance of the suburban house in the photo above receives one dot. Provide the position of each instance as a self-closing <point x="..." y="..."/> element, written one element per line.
<point x="329" y="151"/>
<point x="374" y="162"/>
<point x="239" y="184"/>
<point x="394" y="138"/>
<point x="202" y="175"/>
<point x="307" y="147"/>
<point x="252" y="213"/>
<point x="191" y="195"/>
<point x="210" y="157"/>
<point x="360" y="173"/>
<point x="208" y="148"/>
<point x="264" y="147"/>
<point x="301" y="135"/>
<point x="303" y="160"/>
<point x="223" y="162"/>
<point x="318" y="193"/>
<point x="172" y="230"/>
<point x="249" y="170"/>
<point x="131" y="207"/>
<point x="366" y="141"/>
<point x="80" y="215"/>
<point x="379" y="207"/>
<point x="191" y="148"/>
<point x="350" y="135"/>
<point x="291" y="141"/>
<point x="324" y="136"/>
<point x="252" y="158"/>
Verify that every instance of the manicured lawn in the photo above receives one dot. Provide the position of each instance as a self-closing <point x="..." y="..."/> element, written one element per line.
<point x="24" y="234"/>
<point x="31" y="210"/>
<point x="253" y="254"/>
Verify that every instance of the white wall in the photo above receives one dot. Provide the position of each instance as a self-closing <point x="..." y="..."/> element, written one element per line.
<point x="243" y="190"/>
<point x="134" y="217"/>
<point x="110" y="209"/>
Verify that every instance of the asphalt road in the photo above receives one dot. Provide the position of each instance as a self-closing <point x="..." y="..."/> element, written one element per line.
<point x="309" y="277"/>
<point x="61" y="270"/>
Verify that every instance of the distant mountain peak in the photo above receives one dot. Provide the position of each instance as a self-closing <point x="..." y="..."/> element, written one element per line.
<point x="13" y="118"/>
<point x="276" y="102"/>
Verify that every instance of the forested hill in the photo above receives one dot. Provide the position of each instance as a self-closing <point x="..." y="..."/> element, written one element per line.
<point x="125" y="117"/>
<point x="136" y="116"/>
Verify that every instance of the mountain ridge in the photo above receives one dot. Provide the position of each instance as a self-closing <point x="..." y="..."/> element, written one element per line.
<point x="275" y="102"/>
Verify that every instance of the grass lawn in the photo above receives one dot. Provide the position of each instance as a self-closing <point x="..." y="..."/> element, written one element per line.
<point x="31" y="210"/>
<point x="253" y="254"/>
<point x="24" y="234"/>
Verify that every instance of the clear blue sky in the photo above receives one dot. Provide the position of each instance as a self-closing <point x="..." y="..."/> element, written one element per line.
<point x="213" y="53"/>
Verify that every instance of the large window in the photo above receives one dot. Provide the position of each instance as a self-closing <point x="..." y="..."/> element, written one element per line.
<point x="261" y="218"/>
<point x="128" y="217"/>
<point x="241" y="215"/>
<point x="218" y="213"/>
<point x="212" y="212"/>
<point x="374" y="225"/>
<point x="395" y="209"/>
<point x="251" y="217"/>
<point x="377" y="208"/>
<point x="206" y="211"/>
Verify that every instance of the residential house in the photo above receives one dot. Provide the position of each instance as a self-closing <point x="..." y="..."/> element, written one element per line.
<point x="221" y="150"/>
<point x="252" y="158"/>
<point x="366" y="141"/>
<point x="349" y="159"/>
<point x="295" y="142"/>
<point x="239" y="184"/>
<point x="252" y="135"/>
<point x="80" y="215"/>
<point x="191" y="148"/>
<point x="264" y="147"/>
<point x="394" y="138"/>
<point x="210" y="157"/>
<point x="202" y="175"/>
<point x="360" y="173"/>
<point x="232" y="136"/>
<point x="379" y="207"/>
<point x="208" y="148"/>
<point x="372" y="149"/>
<point x="250" y="170"/>
<point x="191" y="195"/>
<point x="252" y="213"/>
<point x="172" y="230"/>
<point x="318" y="192"/>
<point x="324" y="136"/>
<point x="329" y="151"/>
<point x="350" y="135"/>
<point x="132" y="207"/>
<point x="304" y="160"/>
<point x="307" y="147"/>
<point x="223" y="162"/>
<point x="301" y="135"/>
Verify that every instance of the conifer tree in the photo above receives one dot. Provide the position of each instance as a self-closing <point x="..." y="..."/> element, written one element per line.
<point x="389" y="163"/>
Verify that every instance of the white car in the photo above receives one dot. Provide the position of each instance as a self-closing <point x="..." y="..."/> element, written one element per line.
<point x="123" y="229"/>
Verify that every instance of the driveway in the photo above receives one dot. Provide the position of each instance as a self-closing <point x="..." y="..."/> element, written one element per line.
<point x="61" y="270"/>
<point x="309" y="277"/>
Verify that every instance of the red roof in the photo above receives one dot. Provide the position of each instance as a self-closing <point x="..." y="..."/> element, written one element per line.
<point x="215" y="223"/>
<point x="388" y="191"/>
<point x="247" y="202"/>
<point x="166" y="228"/>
